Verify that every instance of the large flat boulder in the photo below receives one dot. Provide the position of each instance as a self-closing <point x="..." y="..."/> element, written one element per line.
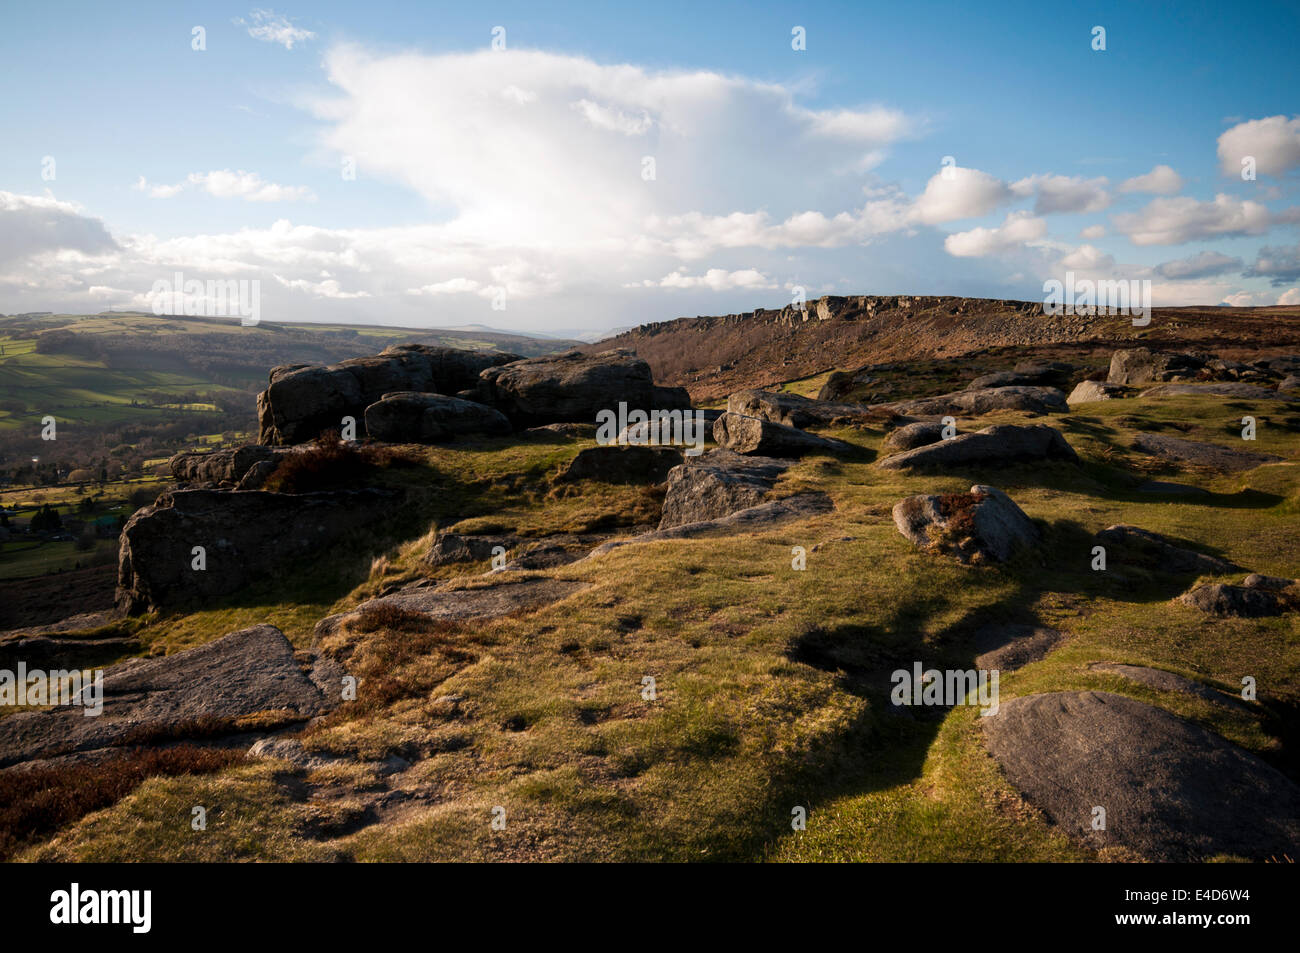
<point x="226" y="466"/>
<point x="570" y="387"/>
<point x="1132" y="544"/>
<point x="246" y="537"/>
<point x="975" y="527"/>
<point x="753" y="435"/>
<point x="1250" y="602"/>
<point x="1142" y="365"/>
<point x="1087" y="392"/>
<point x="199" y="690"/>
<point x="1008" y="443"/>
<point x="910" y="436"/>
<point x="1171" y="790"/>
<point x="411" y="417"/>
<point x="975" y="403"/>
<point x="717" y="484"/>
<point x="793" y="410"/>
<point x="615" y="464"/>
<point x="301" y="401"/>
<point x="1212" y="455"/>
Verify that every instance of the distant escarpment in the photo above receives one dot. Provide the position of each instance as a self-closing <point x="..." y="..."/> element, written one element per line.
<point x="716" y="356"/>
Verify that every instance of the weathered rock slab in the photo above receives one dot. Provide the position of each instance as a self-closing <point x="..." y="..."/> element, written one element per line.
<point x="410" y="417"/>
<point x="984" y="524"/>
<point x="1008" y="443"/>
<point x="1212" y="455"/>
<point x="753" y="435"/>
<point x="717" y="484"/>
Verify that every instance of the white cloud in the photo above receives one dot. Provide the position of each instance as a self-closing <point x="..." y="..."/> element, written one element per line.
<point x="1161" y="180"/>
<point x="1281" y="265"/>
<point x="1093" y="232"/>
<point x="1273" y="141"/>
<point x="715" y="279"/>
<point x="328" y="288"/>
<point x="1290" y="296"/>
<point x="1202" y="265"/>
<point x="224" y="183"/>
<point x="1061" y="193"/>
<point x="32" y="226"/>
<point x="271" y="27"/>
<point x="451" y="286"/>
<point x="1018" y="228"/>
<point x="956" y="193"/>
<point x="1088" y="258"/>
<point x="1173" y="221"/>
<point x="615" y="120"/>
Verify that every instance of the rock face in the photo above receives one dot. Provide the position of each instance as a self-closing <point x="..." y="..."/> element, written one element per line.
<point x="1172" y="791"/>
<point x="1086" y="392"/>
<point x="409" y="417"/>
<point x="455" y="548"/>
<point x="973" y="403"/>
<point x="910" y="436"/>
<point x="1228" y="389"/>
<point x="571" y="387"/>
<point x="717" y="484"/>
<point x="793" y="410"/>
<point x="1212" y="455"/>
<point x="1132" y="544"/>
<point x="245" y="536"/>
<point x="1144" y="366"/>
<point x="228" y="466"/>
<point x="978" y="526"/>
<point x="240" y="674"/>
<point x="752" y="435"/>
<point x="302" y="400"/>
<point x="615" y="464"/>
<point x="992" y="445"/>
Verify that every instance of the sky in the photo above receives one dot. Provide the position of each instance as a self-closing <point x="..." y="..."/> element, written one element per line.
<point x="574" y="168"/>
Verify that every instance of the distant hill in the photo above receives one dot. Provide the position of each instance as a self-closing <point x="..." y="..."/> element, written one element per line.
<point x="715" y="356"/>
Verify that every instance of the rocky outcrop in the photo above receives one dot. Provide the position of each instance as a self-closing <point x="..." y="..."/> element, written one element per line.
<point x="910" y="436"/>
<point x="717" y="484"/>
<point x="458" y="548"/>
<point x="1087" y="392"/>
<point x="409" y="417"/>
<point x="793" y="410"/>
<point x="1172" y="791"/>
<point x="1144" y="366"/>
<point x="301" y="401"/>
<point x="991" y="446"/>
<point x="1134" y="546"/>
<point x="570" y="387"/>
<point x="204" y="690"/>
<point x="975" y="527"/>
<point x="1233" y="390"/>
<point x="1163" y="681"/>
<point x="975" y="403"/>
<point x="1212" y="455"/>
<point x="1025" y="374"/>
<point x="614" y="464"/>
<point x="229" y="466"/>
<point x="246" y="538"/>
<point x="752" y="435"/>
<point x="1005" y="648"/>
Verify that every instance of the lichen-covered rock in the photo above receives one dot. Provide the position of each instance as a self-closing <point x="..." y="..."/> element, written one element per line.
<point x="752" y="435"/>
<point x="569" y="387"/>
<point x="984" y="524"/>
<point x="229" y="465"/>
<point x="1212" y="455"/>
<point x="910" y="436"/>
<point x="717" y="484"/>
<point x="793" y="410"/>
<point x="615" y="464"/>
<point x="974" y="403"/>
<point x="1087" y="392"/>
<point x="993" y="445"/>
<point x="1143" y="366"/>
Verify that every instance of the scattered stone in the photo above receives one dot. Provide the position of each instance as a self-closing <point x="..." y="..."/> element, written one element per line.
<point x="240" y="674"/>
<point x="409" y="417"/>
<point x="455" y="548"/>
<point x="993" y="445"/>
<point x="1164" y="681"/>
<point x="793" y="410"/>
<point x="443" y="603"/>
<point x="1172" y="791"/>
<point x="1087" y="392"/>
<point x="1289" y="385"/>
<point x="975" y="403"/>
<point x="1275" y="583"/>
<point x="975" y="527"/>
<point x="1212" y="455"/>
<point x="246" y="538"/>
<point x="1251" y="603"/>
<point x="800" y="506"/>
<point x="569" y="387"/>
<point x="1006" y="648"/>
<point x="1230" y="389"/>
<point x="615" y="464"/>
<point x="752" y="435"/>
<point x="910" y="436"/>
<point x="717" y="484"/>
<point x="1155" y="552"/>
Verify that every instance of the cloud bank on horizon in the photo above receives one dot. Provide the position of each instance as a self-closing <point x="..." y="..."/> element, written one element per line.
<point x="529" y="188"/>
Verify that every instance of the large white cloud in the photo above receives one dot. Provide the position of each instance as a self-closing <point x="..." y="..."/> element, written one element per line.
<point x="1018" y="228"/>
<point x="1061" y="193"/>
<point x="1173" y="221"/>
<point x="1161" y="180"/>
<point x="1274" y="142"/>
<point x="1201" y="265"/>
<point x="32" y="225"/>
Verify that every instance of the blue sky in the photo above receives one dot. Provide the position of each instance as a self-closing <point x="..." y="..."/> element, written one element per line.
<point x="508" y="187"/>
